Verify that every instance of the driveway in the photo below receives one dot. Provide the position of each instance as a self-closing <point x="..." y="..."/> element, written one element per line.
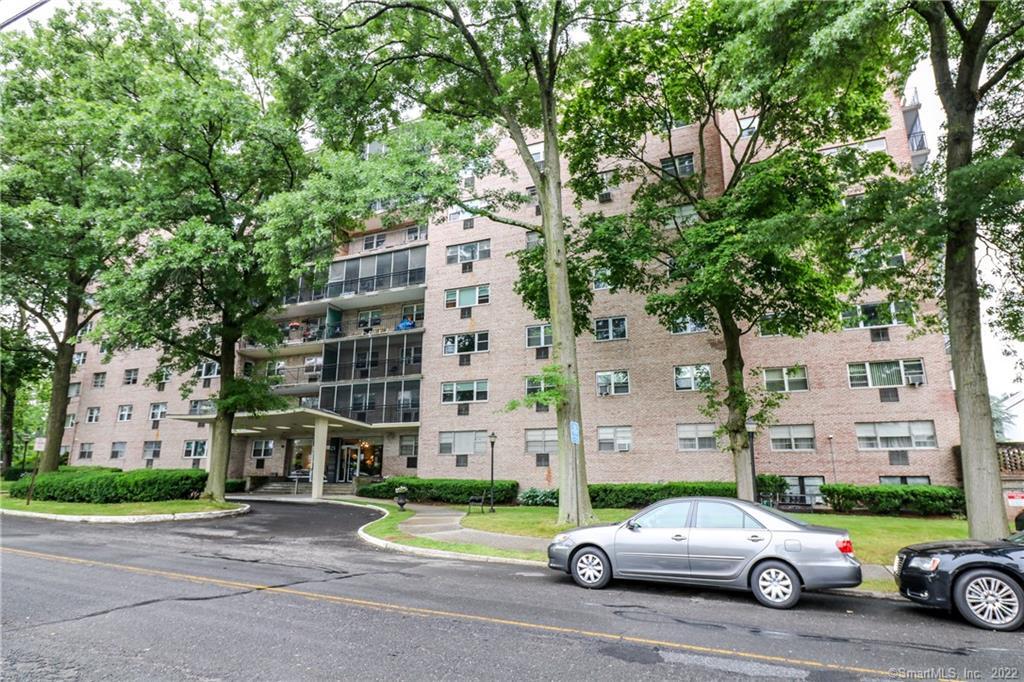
<point x="289" y="592"/>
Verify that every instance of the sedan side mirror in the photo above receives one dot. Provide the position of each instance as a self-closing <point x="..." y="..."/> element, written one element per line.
<point x="632" y="524"/>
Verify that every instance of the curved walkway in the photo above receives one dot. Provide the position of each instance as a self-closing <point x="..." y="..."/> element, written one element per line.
<point x="445" y="524"/>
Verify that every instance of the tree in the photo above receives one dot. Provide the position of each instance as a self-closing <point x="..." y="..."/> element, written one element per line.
<point x="24" y="360"/>
<point x="761" y="87"/>
<point x="503" y="64"/>
<point x="63" y="180"/>
<point x="213" y="145"/>
<point x="976" y="51"/>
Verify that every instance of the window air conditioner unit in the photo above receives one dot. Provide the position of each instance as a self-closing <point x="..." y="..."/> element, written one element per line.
<point x="543" y="352"/>
<point x="915" y="381"/>
<point x="622" y="447"/>
<point x="467" y="224"/>
<point x="467" y="267"/>
<point x="604" y="198"/>
<point x="603" y="390"/>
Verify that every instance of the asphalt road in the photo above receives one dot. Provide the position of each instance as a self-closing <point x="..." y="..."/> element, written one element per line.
<point x="289" y="592"/>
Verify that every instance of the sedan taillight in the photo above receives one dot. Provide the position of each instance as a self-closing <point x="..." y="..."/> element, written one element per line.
<point x="845" y="545"/>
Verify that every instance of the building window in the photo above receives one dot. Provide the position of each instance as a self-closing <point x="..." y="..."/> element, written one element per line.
<point x="600" y="279"/>
<point x="467" y="297"/>
<point x="262" y="449"/>
<point x="124" y="413"/>
<point x="768" y="325"/>
<point x="885" y="314"/>
<point x="200" y="407"/>
<point x="99" y="379"/>
<point x="537" y="154"/>
<point x="78" y="359"/>
<point x="792" y="437"/>
<point x="615" y="382"/>
<point x="457" y="213"/>
<point x="85" y="451"/>
<point x="785" y="379"/>
<point x="209" y="370"/>
<point x="887" y="373"/>
<point x="678" y="166"/>
<point x="462" y="460"/>
<point x="374" y="241"/>
<point x="533" y="239"/>
<point x="541" y="441"/>
<point x="696" y="437"/>
<point x="70" y="420"/>
<point x="896" y="435"/>
<point x="610" y="328"/>
<point x="195" y="449"/>
<point x="416" y="233"/>
<point x="157" y="411"/>
<point x="409" y="447"/>
<point x="538" y="336"/>
<point x="905" y="480"/>
<point x="614" y="438"/>
<point x="74" y="389"/>
<point x="748" y="126"/>
<point x="464" y="391"/>
<point x="117" y="449"/>
<point x="467" y="253"/>
<point x="807" y="487"/>
<point x="414" y="311"/>
<point x="457" y="344"/>
<point x="462" y="442"/>
<point x="151" y="449"/>
<point x="685" y="325"/>
<point x="92" y="415"/>
<point x="131" y="377"/>
<point x="692" y="377"/>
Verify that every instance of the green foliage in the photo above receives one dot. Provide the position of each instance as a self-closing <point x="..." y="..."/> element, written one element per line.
<point x="642" y="494"/>
<point x="770" y="484"/>
<point x="537" y="497"/>
<point x="450" y="490"/>
<point x="554" y="384"/>
<point x="532" y="283"/>
<point x="234" y="485"/>
<point x="101" y="485"/>
<point x="927" y="500"/>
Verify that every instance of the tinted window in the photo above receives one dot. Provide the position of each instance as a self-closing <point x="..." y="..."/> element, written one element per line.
<point x="666" y="516"/>
<point x="722" y="515"/>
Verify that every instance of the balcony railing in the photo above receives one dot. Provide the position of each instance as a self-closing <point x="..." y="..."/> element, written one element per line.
<point x="297" y="376"/>
<point x="359" y="285"/>
<point x="376" y="369"/>
<point x="1011" y="458"/>
<point x="917" y="141"/>
<point x="372" y="325"/>
<point x="396" y="413"/>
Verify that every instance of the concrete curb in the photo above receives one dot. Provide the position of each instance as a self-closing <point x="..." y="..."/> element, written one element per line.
<point x="130" y="518"/>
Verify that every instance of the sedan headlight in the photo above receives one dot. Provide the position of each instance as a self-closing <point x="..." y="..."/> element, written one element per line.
<point x="924" y="563"/>
<point x="564" y="539"/>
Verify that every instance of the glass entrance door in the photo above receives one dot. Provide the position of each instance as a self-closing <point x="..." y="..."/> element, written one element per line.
<point x="349" y="463"/>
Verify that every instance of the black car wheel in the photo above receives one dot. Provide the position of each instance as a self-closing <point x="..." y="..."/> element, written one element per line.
<point x="989" y="599"/>
<point x="776" y="585"/>
<point x="591" y="568"/>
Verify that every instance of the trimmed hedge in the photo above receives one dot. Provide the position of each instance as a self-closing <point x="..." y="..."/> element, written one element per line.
<point x="927" y="500"/>
<point x="451" y="490"/>
<point x="103" y="486"/>
<point x="636" y="495"/>
<point x="234" y="485"/>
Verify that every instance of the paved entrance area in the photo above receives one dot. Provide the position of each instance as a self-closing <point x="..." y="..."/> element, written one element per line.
<point x="445" y="523"/>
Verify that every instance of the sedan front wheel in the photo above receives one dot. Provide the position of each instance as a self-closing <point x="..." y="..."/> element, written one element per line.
<point x="591" y="568"/>
<point x="989" y="599"/>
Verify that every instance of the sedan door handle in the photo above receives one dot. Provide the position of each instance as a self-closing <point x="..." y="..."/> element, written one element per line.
<point x="678" y="538"/>
<point x="755" y="538"/>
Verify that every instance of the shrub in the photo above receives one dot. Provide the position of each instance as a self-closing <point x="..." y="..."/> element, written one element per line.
<point x="770" y="484"/>
<point x="14" y="473"/>
<point x="234" y="485"/>
<point x="103" y="486"/>
<point x="643" y="494"/>
<point x="892" y="499"/>
<point x="538" y="497"/>
<point x="451" y="490"/>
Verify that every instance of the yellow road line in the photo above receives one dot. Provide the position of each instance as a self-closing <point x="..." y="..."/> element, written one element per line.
<point x="418" y="611"/>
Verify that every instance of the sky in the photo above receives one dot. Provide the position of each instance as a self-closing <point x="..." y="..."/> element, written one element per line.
<point x="1002" y="374"/>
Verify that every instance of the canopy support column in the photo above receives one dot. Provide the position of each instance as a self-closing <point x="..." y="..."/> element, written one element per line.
<point x="319" y="457"/>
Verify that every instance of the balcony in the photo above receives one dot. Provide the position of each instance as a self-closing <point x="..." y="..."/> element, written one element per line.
<point x="374" y="369"/>
<point x="367" y="326"/>
<point x="396" y="413"/>
<point x="390" y="287"/>
<point x="918" y="142"/>
<point x="296" y="380"/>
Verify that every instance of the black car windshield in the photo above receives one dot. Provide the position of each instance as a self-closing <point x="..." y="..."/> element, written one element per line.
<point x="1017" y="538"/>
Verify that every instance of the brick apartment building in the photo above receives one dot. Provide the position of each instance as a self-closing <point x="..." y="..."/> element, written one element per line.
<point x="418" y="342"/>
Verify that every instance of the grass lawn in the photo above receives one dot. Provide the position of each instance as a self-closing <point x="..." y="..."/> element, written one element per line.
<point x="875" y="538"/>
<point x="387" y="529"/>
<point x="120" y="509"/>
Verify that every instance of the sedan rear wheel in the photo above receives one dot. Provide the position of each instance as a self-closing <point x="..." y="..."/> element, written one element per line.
<point x="591" y="568"/>
<point x="776" y="585"/>
<point x="989" y="599"/>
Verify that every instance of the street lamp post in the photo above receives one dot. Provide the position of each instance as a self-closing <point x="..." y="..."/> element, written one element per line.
<point x="493" y="437"/>
<point x="832" y="454"/>
<point x="751" y="432"/>
<point x="24" y="450"/>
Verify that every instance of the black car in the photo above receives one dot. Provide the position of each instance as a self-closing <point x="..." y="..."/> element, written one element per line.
<point x="983" y="580"/>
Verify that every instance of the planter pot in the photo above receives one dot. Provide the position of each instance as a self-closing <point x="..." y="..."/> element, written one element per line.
<point x="400" y="500"/>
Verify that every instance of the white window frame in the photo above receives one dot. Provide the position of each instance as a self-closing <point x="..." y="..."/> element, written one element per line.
<point x="692" y="372"/>
<point x="200" y="406"/>
<point x="699" y="432"/>
<point x="786" y="379"/>
<point x="749" y="126"/>
<point x="476" y="343"/>
<point x="540" y="441"/>
<point x="450" y="391"/>
<point x="929" y="444"/>
<point x="791" y="433"/>
<point x="453" y="297"/>
<point x="125" y="415"/>
<point x="209" y="369"/>
<point x="537" y="153"/>
<point x="74" y="389"/>
<point x="904" y="374"/>
<point x="609" y="324"/>
<point x="101" y="377"/>
<point x="862" y="323"/>
<point x="70" y="419"/>
<point x="131" y="377"/>
<point x="611" y="377"/>
<point x="614" y="438"/>
<point x="192" y="447"/>
<point x="685" y="325"/>
<point x="544" y="332"/>
<point x="456" y="251"/>
<point x="450" y="438"/>
<point x="157" y="411"/>
<point x="457" y="213"/>
<point x="374" y="241"/>
<point x="536" y="385"/>
<point x="598" y="283"/>
<point x="677" y="165"/>
<point x="148" y="449"/>
<point x="262" y="449"/>
<point x="78" y="358"/>
<point x="92" y="415"/>
<point x="118" y="453"/>
<point x="85" y="450"/>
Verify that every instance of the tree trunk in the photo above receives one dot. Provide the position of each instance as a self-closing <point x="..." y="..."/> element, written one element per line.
<point x="220" y="445"/>
<point x="736" y="404"/>
<point x="7" y="426"/>
<point x="573" y="495"/>
<point x="58" y="412"/>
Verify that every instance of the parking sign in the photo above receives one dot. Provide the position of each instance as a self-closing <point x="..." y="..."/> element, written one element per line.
<point x="574" y="432"/>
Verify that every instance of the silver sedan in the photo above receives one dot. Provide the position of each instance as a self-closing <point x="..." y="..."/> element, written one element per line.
<point x="715" y="542"/>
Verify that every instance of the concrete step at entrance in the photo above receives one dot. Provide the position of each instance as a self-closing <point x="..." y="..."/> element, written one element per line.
<point x="304" y="488"/>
